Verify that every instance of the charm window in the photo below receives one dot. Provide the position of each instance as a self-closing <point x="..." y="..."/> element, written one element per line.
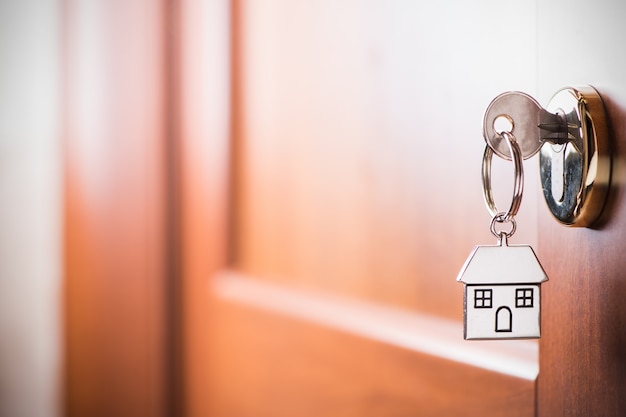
<point x="482" y="298"/>
<point x="524" y="298"/>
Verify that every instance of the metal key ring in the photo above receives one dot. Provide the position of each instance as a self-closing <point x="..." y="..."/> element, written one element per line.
<point x="499" y="218"/>
<point x="518" y="183"/>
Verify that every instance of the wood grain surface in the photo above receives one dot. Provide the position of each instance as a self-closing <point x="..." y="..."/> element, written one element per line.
<point x="582" y="355"/>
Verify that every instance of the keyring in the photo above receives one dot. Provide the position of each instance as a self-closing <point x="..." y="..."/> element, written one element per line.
<point x="499" y="218"/>
<point x="518" y="182"/>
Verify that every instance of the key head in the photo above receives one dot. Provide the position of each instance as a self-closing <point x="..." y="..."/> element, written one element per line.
<point x="518" y="113"/>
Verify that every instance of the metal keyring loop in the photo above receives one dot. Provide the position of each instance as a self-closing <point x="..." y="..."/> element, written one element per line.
<point x="518" y="182"/>
<point x="500" y="218"/>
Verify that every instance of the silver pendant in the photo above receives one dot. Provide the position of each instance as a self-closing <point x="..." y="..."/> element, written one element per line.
<point x="502" y="292"/>
<point x="502" y="283"/>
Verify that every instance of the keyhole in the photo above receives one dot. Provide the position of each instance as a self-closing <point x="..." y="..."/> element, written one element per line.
<point x="503" y="123"/>
<point x="558" y="172"/>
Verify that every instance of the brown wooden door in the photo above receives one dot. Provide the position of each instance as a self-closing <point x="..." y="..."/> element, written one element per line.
<point x="292" y="187"/>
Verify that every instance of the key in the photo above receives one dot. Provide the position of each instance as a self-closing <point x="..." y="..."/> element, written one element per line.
<point x="523" y="116"/>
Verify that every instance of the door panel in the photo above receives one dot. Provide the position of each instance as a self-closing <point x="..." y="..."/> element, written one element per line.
<point x="355" y="135"/>
<point x="279" y="351"/>
<point x="360" y="138"/>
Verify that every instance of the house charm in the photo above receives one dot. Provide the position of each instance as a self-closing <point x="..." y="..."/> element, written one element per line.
<point x="502" y="297"/>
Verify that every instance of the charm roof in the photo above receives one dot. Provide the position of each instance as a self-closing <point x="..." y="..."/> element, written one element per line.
<point x="516" y="264"/>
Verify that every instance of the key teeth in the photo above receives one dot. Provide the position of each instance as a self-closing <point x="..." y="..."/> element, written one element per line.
<point x="557" y="133"/>
<point x="551" y="127"/>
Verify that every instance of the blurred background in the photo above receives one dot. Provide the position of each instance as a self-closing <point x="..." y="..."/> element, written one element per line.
<point x="253" y="207"/>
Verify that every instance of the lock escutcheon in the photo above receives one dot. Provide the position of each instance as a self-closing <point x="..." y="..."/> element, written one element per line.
<point x="575" y="176"/>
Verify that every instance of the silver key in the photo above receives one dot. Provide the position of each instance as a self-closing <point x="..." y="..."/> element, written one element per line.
<point x="523" y="116"/>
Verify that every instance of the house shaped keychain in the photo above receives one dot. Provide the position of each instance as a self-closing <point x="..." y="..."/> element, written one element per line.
<point x="502" y="283"/>
<point x="502" y="292"/>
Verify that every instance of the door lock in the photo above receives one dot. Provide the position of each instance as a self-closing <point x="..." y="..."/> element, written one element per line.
<point x="572" y="138"/>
